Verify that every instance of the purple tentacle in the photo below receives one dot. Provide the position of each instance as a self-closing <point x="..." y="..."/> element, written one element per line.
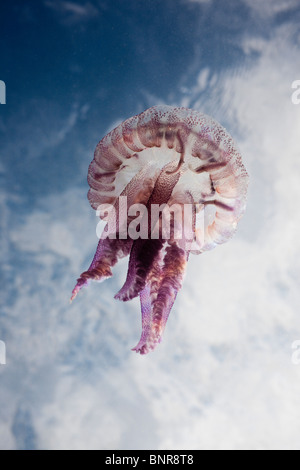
<point x="107" y="254"/>
<point x="157" y="298"/>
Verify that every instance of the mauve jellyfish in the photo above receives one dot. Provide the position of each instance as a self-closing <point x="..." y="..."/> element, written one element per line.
<point x="167" y="182"/>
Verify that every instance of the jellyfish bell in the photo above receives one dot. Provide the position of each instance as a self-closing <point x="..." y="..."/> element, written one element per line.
<point x="175" y="178"/>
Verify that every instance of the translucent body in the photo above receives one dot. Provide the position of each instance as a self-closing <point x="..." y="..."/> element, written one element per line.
<point x="176" y="157"/>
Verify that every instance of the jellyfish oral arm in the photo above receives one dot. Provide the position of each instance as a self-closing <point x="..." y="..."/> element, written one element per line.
<point x="144" y="252"/>
<point x="158" y="296"/>
<point x="107" y="254"/>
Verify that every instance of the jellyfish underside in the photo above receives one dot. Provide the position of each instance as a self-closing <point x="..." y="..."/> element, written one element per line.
<point x="167" y="157"/>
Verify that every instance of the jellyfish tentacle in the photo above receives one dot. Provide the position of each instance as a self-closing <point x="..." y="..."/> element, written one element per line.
<point x="144" y="252"/>
<point x="210" y="167"/>
<point x="181" y="149"/>
<point x="157" y="303"/>
<point x="147" y="295"/>
<point x="142" y="257"/>
<point x="217" y="203"/>
<point x="165" y="280"/>
<point x="146" y="309"/>
<point x="110" y="248"/>
<point x="107" y="254"/>
<point x="173" y="271"/>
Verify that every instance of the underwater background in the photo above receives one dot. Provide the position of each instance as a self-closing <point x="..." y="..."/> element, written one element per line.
<point x="227" y="374"/>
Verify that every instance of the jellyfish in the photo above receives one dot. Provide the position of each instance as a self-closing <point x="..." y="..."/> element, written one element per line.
<point x="166" y="183"/>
